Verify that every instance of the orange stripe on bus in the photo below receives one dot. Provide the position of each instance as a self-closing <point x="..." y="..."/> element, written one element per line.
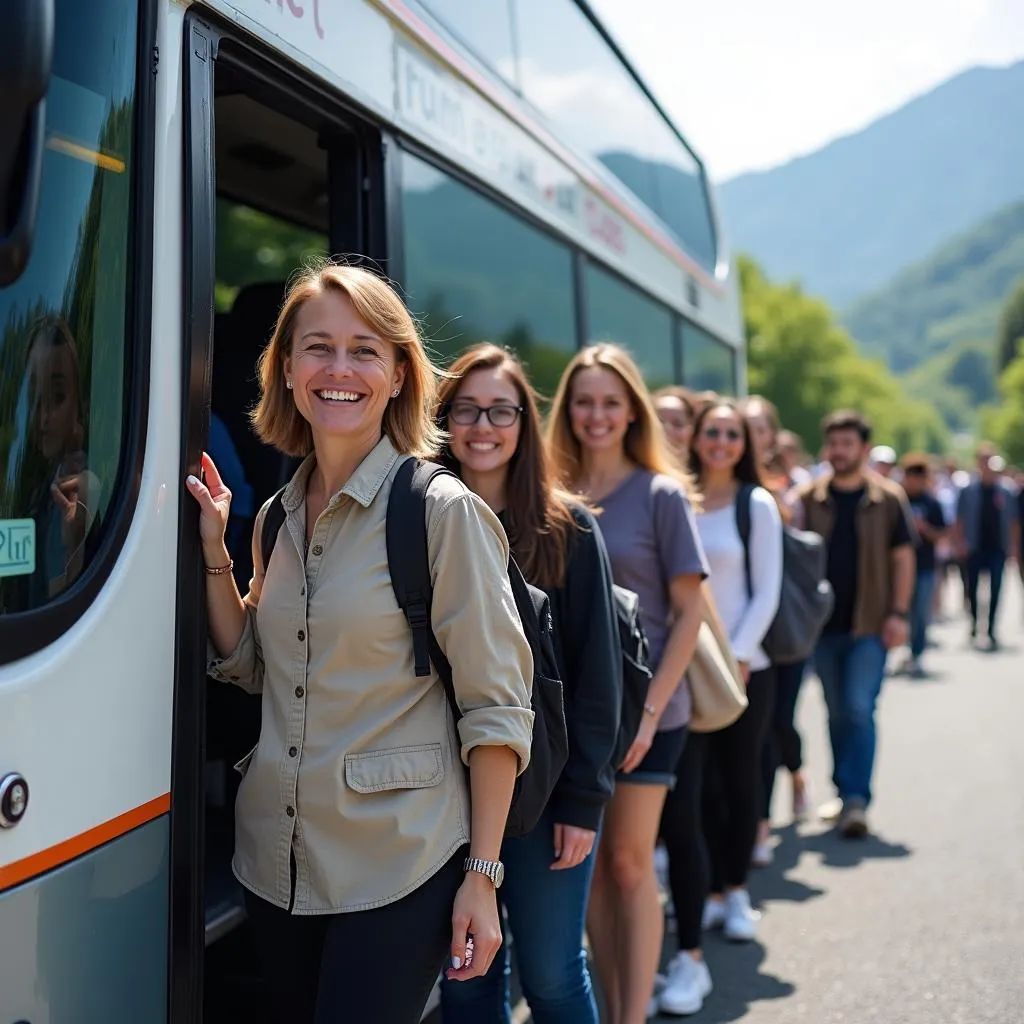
<point x="54" y="856"/>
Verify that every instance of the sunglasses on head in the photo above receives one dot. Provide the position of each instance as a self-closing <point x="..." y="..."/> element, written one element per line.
<point x="467" y="414"/>
<point x="715" y="433"/>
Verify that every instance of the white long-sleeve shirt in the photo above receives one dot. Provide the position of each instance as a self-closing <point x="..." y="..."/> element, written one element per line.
<point x="745" y="616"/>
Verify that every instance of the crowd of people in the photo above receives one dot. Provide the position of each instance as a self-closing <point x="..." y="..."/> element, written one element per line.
<point x="371" y="859"/>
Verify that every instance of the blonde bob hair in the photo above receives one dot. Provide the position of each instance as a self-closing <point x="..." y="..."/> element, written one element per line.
<point x="408" y="419"/>
<point x="645" y="443"/>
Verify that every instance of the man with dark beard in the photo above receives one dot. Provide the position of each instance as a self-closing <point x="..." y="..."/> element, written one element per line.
<point x="867" y="526"/>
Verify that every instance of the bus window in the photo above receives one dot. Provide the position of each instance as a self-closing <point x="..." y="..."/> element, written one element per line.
<point x="62" y="323"/>
<point x="618" y="312"/>
<point x="475" y="272"/>
<point x="708" y="364"/>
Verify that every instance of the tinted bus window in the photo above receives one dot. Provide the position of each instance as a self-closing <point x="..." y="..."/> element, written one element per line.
<point x="62" y="346"/>
<point x="475" y="272"/>
<point x="708" y="364"/>
<point x="618" y="312"/>
<point x="568" y="72"/>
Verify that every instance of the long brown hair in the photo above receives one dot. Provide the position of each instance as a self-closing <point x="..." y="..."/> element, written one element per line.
<point x="538" y="514"/>
<point x="747" y="470"/>
<point x="645" y="441"/>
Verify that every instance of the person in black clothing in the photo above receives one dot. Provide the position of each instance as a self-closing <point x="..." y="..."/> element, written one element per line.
<point x="490" y="412"/>
<point x="931" y="527"/>
<point x="985" y="531"/>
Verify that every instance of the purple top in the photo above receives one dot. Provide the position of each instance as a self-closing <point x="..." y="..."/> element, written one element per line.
<point x="651" y="536"/>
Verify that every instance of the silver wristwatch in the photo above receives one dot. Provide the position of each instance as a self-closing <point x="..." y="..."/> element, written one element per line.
<point x="493" y="869"/>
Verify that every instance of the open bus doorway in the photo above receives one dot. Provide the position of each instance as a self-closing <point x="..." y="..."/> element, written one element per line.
<point x="292" y="181"/>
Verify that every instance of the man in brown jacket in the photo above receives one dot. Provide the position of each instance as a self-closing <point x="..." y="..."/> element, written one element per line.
<point x="867" y="526"/>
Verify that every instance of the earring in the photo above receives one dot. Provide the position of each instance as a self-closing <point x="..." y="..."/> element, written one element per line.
<point x="288" y="384"/>
<point x="394" y="394"/>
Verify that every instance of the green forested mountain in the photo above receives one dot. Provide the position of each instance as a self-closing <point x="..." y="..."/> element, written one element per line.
<point x="952" y="297"/>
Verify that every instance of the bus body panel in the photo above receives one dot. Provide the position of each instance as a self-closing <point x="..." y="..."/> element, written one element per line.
<point x="399" y="69"/>
<point x="88" y="942"/>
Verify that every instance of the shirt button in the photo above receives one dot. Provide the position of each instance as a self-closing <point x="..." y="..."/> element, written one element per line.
<point x="292" y="751"/>
<point x="302" y="634"/>
<point x="318" y="549"/>
<point x="290" y="811"/>
<point x="299" y="691"/>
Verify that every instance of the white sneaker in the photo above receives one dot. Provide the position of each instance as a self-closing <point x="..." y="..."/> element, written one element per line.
<point x="762" y="856"/>
<point x="689" y="984"/>
<point x="740" y="918"/>
<point x="714" y="914"/>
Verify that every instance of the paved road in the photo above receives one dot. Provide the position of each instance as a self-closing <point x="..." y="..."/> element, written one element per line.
<point x="923" y="923"/>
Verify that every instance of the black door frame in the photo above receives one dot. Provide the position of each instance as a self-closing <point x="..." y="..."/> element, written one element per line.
<point x="356" y="184"/>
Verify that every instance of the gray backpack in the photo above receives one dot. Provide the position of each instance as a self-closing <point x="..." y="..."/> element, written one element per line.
<point x="805" y="604"/>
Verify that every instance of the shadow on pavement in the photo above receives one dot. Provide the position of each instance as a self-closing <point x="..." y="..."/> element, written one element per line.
<point x="772" y="883"/>
<point x="837" y="852"/>
<point x="739" y="982"/>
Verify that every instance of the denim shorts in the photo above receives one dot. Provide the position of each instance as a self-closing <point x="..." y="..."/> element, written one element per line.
<point x="658" y="768"/>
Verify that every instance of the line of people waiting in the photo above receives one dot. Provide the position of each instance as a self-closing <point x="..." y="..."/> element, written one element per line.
<point x="371" y="818"/>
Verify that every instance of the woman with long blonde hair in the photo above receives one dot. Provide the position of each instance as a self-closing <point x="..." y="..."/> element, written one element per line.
<point x="608" y="445"/>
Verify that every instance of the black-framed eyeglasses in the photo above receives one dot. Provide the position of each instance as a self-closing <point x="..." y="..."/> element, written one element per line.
<point x="714" y="433"/>
<point x="467" y="414"/>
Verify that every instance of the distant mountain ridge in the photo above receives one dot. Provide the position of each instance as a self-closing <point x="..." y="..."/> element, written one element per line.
<point x="845" y="219"/>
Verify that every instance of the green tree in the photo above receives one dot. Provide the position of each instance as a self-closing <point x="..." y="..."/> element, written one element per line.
<point x="1004" y="423"/>
<point x="1011" y="326"/>
<point x="802" y="360"/>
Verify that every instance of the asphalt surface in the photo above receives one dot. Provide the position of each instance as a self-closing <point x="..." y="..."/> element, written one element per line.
<point x="923" y="922"/>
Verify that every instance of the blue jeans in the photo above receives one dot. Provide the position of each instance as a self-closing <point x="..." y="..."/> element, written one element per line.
<point x="851" y="670"/>
<point x="921" y="611"/>
<point x="546" y="914"/>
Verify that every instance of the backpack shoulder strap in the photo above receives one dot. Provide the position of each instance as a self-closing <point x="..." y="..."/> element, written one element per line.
<point x="272" y="523"/>
<point x="409" y="565"/>
<point x="743" y="498"/>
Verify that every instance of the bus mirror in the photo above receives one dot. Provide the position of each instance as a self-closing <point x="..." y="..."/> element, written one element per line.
<point x="26" y="57"/>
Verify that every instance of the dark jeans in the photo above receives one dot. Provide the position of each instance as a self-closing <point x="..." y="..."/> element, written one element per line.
<point x="709" y="824"/>
<point x="368" y="965"/>
<point x="784" y="746"/>
<point x="546" y="914"/>
<point x="851" y="670"/>
<point x="921" y="611"/>
<point x="993" y="563"/>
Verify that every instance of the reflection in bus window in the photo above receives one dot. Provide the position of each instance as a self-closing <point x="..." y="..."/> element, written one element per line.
<point x="618" y="312"/>
<point x="474" y="272"/>
<point x="708" y="364"/>
<point x="485" y="26"/>
<point x="570" y="74"/>
<point x="62" y="323"/>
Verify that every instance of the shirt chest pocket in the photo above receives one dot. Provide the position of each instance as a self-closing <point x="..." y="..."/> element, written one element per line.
<point x="410" y="767"/>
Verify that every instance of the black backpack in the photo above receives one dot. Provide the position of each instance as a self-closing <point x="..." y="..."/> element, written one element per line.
<point x="636" y="674"/>
<point x="806" y="600"/>
<point x="406" y="537"/>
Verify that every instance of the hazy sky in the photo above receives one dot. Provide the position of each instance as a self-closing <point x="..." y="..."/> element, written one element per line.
<point x="753" y="83"/>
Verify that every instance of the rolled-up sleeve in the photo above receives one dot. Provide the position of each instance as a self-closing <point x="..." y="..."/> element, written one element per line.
<point x="477" y="626"/>
<point x="243" y="667"/>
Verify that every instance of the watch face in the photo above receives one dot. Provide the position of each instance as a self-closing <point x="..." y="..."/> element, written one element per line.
<point x="499" y="875"/>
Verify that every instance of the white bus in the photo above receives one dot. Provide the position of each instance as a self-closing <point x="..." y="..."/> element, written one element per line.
<point x="164" y="166"/>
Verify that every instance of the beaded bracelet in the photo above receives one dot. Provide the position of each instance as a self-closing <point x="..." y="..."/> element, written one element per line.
<point x="220" y="570"/>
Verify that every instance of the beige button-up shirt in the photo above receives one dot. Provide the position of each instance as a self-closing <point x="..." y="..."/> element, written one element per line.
<point x="357" y="767"/>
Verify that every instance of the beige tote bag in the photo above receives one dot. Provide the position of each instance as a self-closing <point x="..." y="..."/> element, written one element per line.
<point x="719" y="693"/>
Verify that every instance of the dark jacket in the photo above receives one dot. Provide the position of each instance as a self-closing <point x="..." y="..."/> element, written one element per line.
<point x="590" y="660"/>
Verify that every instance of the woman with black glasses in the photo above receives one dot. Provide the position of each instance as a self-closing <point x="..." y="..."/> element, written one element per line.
<point x="710" y="820"/>
<point x="488" y="408"/>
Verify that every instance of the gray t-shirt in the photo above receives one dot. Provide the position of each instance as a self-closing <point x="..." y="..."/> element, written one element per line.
<point x="651" y="536"/>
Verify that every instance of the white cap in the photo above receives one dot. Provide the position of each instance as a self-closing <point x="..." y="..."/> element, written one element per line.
<point x="883" y="455"/>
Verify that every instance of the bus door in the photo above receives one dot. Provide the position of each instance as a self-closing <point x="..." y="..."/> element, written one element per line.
<point x="277" y="173"/>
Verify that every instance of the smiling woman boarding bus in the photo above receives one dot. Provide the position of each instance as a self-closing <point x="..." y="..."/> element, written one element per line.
<point x="164" y="168"/>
